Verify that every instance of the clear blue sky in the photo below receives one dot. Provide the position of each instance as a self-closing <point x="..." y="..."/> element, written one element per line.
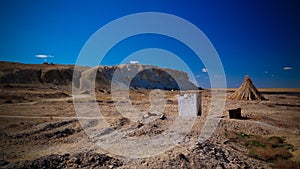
<point x="252" y="37"/>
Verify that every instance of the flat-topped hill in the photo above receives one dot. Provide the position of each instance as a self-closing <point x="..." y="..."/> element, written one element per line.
<point x="133" y="75"/>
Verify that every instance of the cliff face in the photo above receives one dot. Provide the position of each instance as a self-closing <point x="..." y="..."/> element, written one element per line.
<point x="38" y="74"/>
<point x="132" y="75"/>
<point x="137" y="76"/>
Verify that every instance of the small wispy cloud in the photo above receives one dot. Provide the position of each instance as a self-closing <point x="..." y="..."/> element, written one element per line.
<point x="287" y="68"/>
<point x="42" y="56"/>
<point x="134" y="62"/>
<point x="198" y="76"/>
<point x="204" y="70"/>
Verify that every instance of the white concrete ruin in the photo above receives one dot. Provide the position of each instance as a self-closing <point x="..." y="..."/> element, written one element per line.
<point x="189" y="104"/>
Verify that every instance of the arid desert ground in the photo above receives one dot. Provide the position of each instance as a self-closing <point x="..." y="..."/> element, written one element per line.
<point x="40" y="129"/>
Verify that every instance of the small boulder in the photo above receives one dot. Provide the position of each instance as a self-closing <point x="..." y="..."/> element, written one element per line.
<point x="162" y="117"/>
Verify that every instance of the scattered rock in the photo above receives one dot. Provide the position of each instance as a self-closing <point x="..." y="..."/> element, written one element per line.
<point x="8" y="86"/>
<point x="8" y="101"/>
<point x="219" y="167"/>
<point x="182" y="157"/>
<point x="3" y="162"/>
<point x="102" y="91"/>
<point x="151" y="114"/>
<point x="139" y="125"/>
<point x="162" y="117"/>
<point x="85" y="92"/>
<point x="58" y="134"/>
<point x="146" y="116"/>
<point x="79" y="160"/>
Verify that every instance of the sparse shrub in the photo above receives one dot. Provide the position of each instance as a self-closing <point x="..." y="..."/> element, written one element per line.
<point x="244" y="135"/>
<point x="269" y="149"/>
<point x="275" y="140"/>
<point x="257" y="144"/>
<point x="253" y="154"/>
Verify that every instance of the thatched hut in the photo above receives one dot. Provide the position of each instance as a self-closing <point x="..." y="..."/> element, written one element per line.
<point x="247" y="91"/>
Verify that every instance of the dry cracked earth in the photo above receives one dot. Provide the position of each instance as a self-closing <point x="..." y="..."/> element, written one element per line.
<point x="40" y="129"/>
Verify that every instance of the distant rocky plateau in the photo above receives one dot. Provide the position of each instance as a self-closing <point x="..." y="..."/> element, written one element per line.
<point x="101" y="77"/>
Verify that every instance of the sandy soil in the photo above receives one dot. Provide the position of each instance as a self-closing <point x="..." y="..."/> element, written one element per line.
<point x="39" y="124"/>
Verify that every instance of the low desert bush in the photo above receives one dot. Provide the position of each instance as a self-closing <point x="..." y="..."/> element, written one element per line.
<point x="270" y="149"/>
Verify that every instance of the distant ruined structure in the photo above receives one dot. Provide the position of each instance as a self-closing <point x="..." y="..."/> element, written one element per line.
<point x="247" y="91"/>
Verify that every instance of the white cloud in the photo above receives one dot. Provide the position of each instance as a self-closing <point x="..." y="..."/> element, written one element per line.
<point x="204" y="70"/>
<point x="134" y="62"/>
<point x="43" y="56"/>
<point x="287" y="68"/>
<point x="198" y="76"/>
